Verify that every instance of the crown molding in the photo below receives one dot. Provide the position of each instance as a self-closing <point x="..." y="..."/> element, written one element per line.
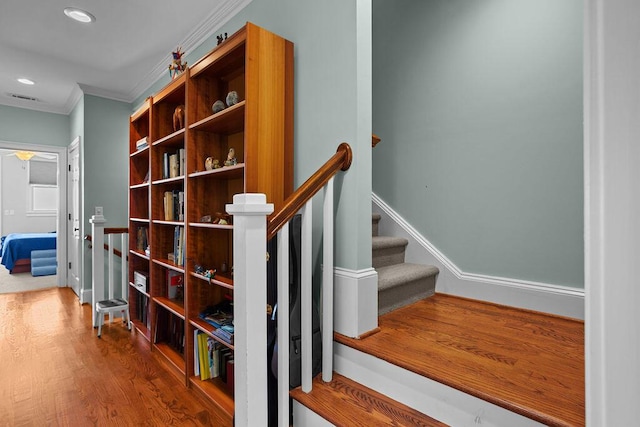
<point x="212" y="23"/>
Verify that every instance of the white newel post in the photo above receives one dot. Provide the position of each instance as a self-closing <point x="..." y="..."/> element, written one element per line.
<point x="97" y="261"/>
<point x="250" y="301"/>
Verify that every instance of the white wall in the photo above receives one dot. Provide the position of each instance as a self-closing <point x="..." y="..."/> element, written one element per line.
<point x="15" y="200"/>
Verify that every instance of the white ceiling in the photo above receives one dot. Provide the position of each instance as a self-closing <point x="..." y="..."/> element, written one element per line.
<point x="118" y="57"/>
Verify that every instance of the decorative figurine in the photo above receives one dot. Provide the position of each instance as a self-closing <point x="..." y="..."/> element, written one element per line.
<point x="177" y="66"/>
<point x="178" y="118"/>
<point x="208" y="163"/>
<point x="217" y="106"/>
<point x="231" y="158"/>
<point x="220" y="38"/>
<point x="222" y="218"/>
<point x="205" y="218"/>
<point x="232" y="98"/>
<point x="216" y="164"/>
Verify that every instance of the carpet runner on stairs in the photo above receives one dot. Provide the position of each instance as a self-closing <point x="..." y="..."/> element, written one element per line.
<point x="399" y="283"/>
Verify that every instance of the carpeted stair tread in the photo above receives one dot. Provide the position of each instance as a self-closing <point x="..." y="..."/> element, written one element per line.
<point x="397" y="275"/>
<point x="387" y="251"/>
<point x="386" y="242"/>
<point x="375" y="220"/>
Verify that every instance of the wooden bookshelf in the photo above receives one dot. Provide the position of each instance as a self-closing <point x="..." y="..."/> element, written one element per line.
<point x="258" y="66"/>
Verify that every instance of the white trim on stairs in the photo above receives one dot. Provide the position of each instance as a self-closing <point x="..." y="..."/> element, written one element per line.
<point x="544" y="297"/>
<point x="430" y="397"/>
<point x="355" y="301"/>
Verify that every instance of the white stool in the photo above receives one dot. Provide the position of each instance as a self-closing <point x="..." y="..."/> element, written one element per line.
<point x="112" y="306"/>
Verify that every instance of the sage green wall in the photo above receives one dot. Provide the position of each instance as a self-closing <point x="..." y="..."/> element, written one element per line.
<point x="332" y="101"/>
<point x="33" y="127"/>
<point x="479" y="106"/>
<point x="105" y="154"/>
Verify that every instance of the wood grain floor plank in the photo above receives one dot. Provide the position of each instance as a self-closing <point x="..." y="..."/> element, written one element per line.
<point x="55" y="371"/>
<point x="530" y="363"/>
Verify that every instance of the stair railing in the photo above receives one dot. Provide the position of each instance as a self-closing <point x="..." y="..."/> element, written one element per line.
<point x="251" y="231"/>
<point x="98" y="247"/>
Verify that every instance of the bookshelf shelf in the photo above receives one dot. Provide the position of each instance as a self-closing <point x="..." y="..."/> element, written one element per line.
<point x="171" y="355"/>
<point x="177" y="179"/>
<point x="168" y="264"/>
<point x="235" y="171"/>
<point x="216" y="391"/>
<point x="168" y="182"/>
<point x="144" y="185"/>
<point x="210" y="225"/>
<point x="174" y="139"/>
<point x="140" y="220"/>
<point x="227" y="121"/>
<point x="173" y="306"/>
<point x="140" y="152"/>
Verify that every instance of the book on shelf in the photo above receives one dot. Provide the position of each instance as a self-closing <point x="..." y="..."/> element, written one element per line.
<point x="230" y="375"/>
<point x="205" y="373"/>
<point x="224" y="335"/>
<point x="196" y="353"/>
<point x="142" y="143"/>
<point x="142" y="238"/>
<point x="178" y="245"/>
<point x="174" y="284"/>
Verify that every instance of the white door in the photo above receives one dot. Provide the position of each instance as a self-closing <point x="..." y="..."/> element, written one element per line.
<point x="73" y="210"/>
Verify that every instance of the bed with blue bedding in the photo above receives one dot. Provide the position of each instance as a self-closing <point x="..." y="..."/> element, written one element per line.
<point x="15" y="249"/>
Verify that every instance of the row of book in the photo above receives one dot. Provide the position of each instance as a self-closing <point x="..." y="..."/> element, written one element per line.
<point x="212" y="359"/>
<point x="142" y="312"/>
<point x="177" y="256"/>
<point x="170" y="330"/>
<point x="173" y="205"/>
<point x="173" y="164"/>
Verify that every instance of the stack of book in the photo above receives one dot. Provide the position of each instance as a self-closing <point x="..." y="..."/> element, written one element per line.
<point x="142" y="143"/>
<point x="220" y="316"/>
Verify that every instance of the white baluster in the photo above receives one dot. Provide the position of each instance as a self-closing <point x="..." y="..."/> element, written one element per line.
<point x="306" y="297"/>
<point x="124" y="272"/>
<point x="111" y="267"/>
<point x="283" y="326"/>
<point x="327" y="284"/>
<point x="97" y="263"/>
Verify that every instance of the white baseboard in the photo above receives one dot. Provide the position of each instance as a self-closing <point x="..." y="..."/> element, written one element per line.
<point x="85" y="296"/>
<point x="432" y="398"/>
<point x="544" y="297"/>
<point x="355" y="301"/>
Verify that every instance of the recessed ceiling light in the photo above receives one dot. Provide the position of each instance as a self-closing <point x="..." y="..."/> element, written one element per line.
<point x="25" y="81"/>
<point x="79" y="15"/>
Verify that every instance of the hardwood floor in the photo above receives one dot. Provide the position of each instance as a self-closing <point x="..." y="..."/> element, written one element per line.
<point x="527" y="362"/>
<point x="54" y="371"/>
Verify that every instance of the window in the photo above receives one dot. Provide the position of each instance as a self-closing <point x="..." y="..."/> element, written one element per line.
<point x="43" y="188"/>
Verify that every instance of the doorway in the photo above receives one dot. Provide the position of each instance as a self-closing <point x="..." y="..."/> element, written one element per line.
<point x="41" y="152"/>
<point x="74" y="272"/>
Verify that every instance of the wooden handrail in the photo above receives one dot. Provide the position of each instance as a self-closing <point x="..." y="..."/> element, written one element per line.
<point x="339" y="161"/>
<point x="374" y="140"/>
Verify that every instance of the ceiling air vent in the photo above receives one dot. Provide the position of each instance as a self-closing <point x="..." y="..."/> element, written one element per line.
<point x="23" y="97"/>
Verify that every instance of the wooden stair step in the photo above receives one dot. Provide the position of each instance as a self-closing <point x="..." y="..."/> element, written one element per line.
<point x="344" y="402"/>
<point x="527" y="362"/>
